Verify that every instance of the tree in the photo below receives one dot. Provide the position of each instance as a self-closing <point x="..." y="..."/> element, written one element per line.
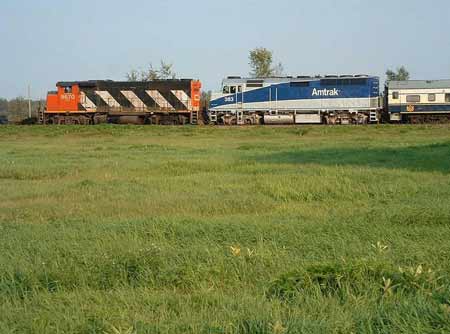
<point x="3" y="111"/>
<point x="133" y="75"/>
<point x="150" y="74"/>
<point x="260" y="61"/>
<point x="3" y="105"/>
<point x="400" y="75"/>
<point x="165" y="71"/>
<point x="205" y="98"/>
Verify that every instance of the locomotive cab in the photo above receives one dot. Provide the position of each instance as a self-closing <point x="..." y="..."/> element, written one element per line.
<point x="65" y="99"/>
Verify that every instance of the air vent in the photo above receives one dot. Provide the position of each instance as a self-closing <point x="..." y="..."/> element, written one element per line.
<point x="255" y="81"/>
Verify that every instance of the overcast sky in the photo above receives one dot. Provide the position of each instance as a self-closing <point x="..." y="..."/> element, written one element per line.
<point x="47" y="41"/>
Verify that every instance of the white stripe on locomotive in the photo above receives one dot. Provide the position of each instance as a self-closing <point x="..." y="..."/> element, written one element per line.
<point x="134" y="100"/>
<point x="159" y="99"/>
<point x="87" y="103"/>
<point x="183" y="97"/>
<point x="107" y="97"/>
<point x="305" y="104"/>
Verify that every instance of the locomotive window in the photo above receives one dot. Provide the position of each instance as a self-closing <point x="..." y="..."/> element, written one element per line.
<point x="239" y="89"/>
<point x="226" y="89"/>
<point x="413" y="98"/>
<point x="447" y="97"/>
<point x="395" y="95"/>
<point x="67" y="90"/>
<point x="232" y="89"/>
<point x="431" y="97"/>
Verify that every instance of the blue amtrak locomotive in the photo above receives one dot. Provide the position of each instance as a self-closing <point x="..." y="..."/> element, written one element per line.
<point x="345" y="99"/>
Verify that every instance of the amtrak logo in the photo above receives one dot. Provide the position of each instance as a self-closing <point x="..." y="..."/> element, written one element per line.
<point x="326" y="92"/>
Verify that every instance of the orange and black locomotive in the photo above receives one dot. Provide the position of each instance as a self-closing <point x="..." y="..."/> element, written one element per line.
<point x="101" y="101"/>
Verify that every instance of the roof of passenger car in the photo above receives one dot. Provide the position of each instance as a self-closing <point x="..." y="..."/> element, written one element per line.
<point x="419" y="84"/>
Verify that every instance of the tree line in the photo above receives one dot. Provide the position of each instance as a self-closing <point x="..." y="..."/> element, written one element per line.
<point x="16" y="110"/>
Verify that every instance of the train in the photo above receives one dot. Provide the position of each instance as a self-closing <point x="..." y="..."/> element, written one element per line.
<point x="345" y="99"/>
<point x="329" y="99"/>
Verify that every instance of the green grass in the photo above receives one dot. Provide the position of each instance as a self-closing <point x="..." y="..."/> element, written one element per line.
<point x="116" y="229"/>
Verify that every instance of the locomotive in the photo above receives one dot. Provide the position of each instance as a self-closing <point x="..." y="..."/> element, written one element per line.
<point x="98" y="101"/>
<point x="330" y="99"/>
<point x="345" y="99"/>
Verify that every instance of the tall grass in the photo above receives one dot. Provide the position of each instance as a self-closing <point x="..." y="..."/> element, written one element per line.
<point x="117" y="229"/>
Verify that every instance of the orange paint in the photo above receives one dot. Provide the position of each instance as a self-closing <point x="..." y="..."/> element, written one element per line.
<point x="195" y="94"/>
<point x="65" y="100"/>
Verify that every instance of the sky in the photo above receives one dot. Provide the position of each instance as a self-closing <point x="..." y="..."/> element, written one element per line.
<point x="47" y="41"/>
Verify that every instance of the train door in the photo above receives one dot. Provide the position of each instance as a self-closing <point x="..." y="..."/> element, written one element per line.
<point x="239" y="98"/>
<point x="237" y="95"/>
<point x="240" y="102"/>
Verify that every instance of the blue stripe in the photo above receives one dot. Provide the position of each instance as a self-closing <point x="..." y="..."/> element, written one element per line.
<point x="420" y="108"/>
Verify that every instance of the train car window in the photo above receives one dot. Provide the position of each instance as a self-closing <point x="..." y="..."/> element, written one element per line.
<point x="239" y="89"/>
<point x="68" y="90"/>
<point x="431" y="97"/>
<point x="300" y="84"/>
<point x="232" y="89"/>
<point x="226" y="89"/>
<point x="447" y="97"/>
<point x="413" y="98"/>
<point x="395" y="95"/>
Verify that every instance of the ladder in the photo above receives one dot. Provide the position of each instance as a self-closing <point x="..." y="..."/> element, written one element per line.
<point x="194" y="117"/>
<point x="373" y="117"/>
<point x="239" y="118"/>
<point x="41" y="116"/>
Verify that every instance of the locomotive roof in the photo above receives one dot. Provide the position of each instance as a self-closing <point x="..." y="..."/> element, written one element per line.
<point x="239" y="80"/>
<point x="419" y="84"/>
<point x="95" y="83"/>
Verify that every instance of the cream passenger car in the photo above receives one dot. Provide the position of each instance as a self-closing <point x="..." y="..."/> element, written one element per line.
<point x="417" y="101"/>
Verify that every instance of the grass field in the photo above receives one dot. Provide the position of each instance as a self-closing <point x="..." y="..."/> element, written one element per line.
<point x="117" y="229"/>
